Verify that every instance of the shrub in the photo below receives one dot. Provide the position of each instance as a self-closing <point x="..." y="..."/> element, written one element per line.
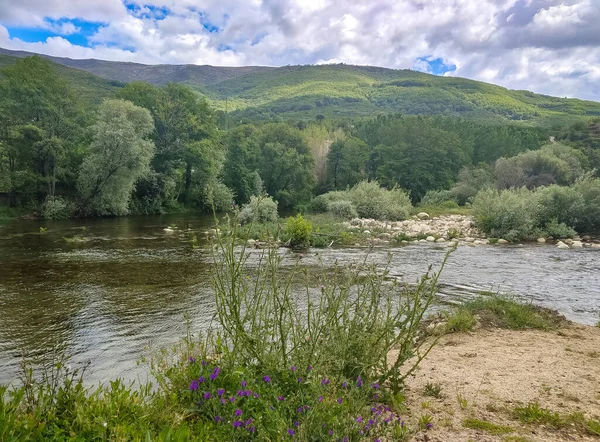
<point x="461" y="320"/>
<point x="219" y="197"/>
<point x="589" y="189"/>
<point x="510" y="214"/>
<point x="373" y="201"/>
<point x="343" y="209"/>
<point x="559" y="230"/>
<point x="57" y="208"/>
<point x="437" y="197"/>
<point x="321" y="203"/>
<point x="260" y="209"/>
<point x="563" y="205"/>
<point x="298" y="230"/>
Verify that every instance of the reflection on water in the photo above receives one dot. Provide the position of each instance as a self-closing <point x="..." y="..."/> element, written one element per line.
<point x="105" y="289"/>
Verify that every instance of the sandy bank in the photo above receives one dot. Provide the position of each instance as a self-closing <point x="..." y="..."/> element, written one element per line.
<point x="495" y="370"/>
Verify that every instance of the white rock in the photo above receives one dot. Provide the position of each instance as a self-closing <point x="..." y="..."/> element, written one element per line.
<point x="250" y="243"/>
<point x="440" y="240"/>
<point x="568" y="241"/>
<point x="541" y="240"/>
<point x="422" y="240"/>
<point x="168" y="230"/>
<point x="562" y="245"/>
<point x="595" y="246"/>
<point x="423" y="215"/>
<point x="367" y="232"/>
<point x="430" y="239"/>
<point x="586" y="238"/>
<point x="577" y="245"/>
<point x="469" y="239"/>
<point x="502" y="241"/>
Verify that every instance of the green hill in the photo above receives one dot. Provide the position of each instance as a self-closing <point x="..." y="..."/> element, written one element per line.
<point x="333" y="91"/>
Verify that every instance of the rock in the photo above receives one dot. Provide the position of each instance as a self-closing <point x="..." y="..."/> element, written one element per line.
<point x="430" y="239"/>
<point x="541" y="240"/>
<point x="404" y="241"/>
<point x="586" y="238"/>
<point x="422" y="241"/>
<point x="469" y="239"/>
<point x="502" y="241"/>
<point x="595" y="246"/>
<point x="250" y="243"/>
<point x="577" y="245"/>
<point x="423" y="215"/>
<point x="168" y="230"/>
<point x="440" y="240"/>
<point x="562" y="245"/>
<point x="385" y="236"/>
<point x="568" y="241"/>
<point x="367" y="232"/>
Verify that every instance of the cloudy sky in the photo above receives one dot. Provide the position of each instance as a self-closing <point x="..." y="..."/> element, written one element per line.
<point x="548" y="46"/>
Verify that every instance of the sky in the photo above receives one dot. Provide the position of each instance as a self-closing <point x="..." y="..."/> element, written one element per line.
<point x="546" y="46"/>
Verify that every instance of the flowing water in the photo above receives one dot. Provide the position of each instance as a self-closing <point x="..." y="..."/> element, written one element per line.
<point x="104" y="290"/>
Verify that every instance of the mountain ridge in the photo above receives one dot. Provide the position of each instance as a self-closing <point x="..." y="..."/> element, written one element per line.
<point x="333" y="91"/>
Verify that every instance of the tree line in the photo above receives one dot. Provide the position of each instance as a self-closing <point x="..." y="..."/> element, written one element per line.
<point x="155" y="149"/>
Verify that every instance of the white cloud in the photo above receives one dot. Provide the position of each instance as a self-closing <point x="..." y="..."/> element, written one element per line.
<point x="549" y="46"/>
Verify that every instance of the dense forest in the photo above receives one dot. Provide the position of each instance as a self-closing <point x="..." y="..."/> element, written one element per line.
<point x="72" y="144"/>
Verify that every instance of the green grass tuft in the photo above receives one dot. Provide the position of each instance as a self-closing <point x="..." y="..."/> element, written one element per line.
<point x="503" y="312"/>
<point x="460" y="320"/>
<point x="489" y="427"/>
<point x="433" y="390"/>
<point x="532" y="413"/>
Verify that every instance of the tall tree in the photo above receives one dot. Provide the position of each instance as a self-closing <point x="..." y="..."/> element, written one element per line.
<point x="120" y="154"/>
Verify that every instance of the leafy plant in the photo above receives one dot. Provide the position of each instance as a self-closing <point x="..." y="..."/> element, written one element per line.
<point x="433" y="390"/>
<point x="298" y="230"/>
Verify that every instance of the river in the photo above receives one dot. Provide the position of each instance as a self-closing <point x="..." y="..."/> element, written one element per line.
<point x="105" y="289"/>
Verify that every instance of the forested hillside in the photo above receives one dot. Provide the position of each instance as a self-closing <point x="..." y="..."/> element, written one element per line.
<point x="74" y="144"/>
<point x="342" y="91"/>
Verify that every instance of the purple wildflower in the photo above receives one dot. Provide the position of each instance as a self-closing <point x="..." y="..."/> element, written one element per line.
<point x="331" y="432"/>
<point x="297" y="424"/>
<point x="429" y="425"/>
<point x="238" y="412"/>
<point x="294" y="368"/>
<point x="325" y="381"/>
<point x="375" y="385"/>
<point x="300" y="380"/>
<point x="291" y="432"/>
<point x="215" y="373"/>
<point x="232" y="399"/>
<point x="359" y="381"/>
<point x="299" y="409"/>
<point x="375" y="396"/>
<point x="201" y="380"/>
<point x="206" y="396"/>
<point x="345" y="385"/>
<point x="241" y="393"/>
<point x="218" y="419"/>
<point x="267" y="379"/>
<point x="371" y="421"/>
<point x="243" y="384"/>
<point x="309" y="368"/>
<point x="223" y="401"/>
<point x="320" y="398"/>
<point x="248" y="422"/>
<point x="220" y="392"/>
<point x="237" y="424"/>
<point x="280" y="398"/>
<point x="359" y="419"/>
<point x="339" y="401"/>
<point x="194" y="385"/>
<point x="256" y="395"/>
<point x="271" y="407"/>
<point x="252" y="429"/>
<point x="192" y="360"/>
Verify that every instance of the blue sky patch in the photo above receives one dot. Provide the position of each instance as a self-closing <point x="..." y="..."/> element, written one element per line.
<point x="32" y="35"/>
<point x="435" y="66"/>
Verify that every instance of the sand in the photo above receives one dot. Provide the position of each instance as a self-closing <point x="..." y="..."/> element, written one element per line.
<point x="494" y="370"/>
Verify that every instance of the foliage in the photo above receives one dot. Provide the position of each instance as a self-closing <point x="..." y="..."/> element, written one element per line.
<point x="298" y="230"/>
<point x="120" y="154"/>
<point x="345" y="163"/>
<point x="433" y="390"/>
<point x="436" y="197"/>
<point x="218" y="197"/>
<point x="260" y="209"/>
<point x="348" y="327"/>
<point x="56" y="208"/>
<point x="373" y="201"/>
<point x="460" y="320"/>
<point x="343" y="209"/>
<point x="532" y="413"/>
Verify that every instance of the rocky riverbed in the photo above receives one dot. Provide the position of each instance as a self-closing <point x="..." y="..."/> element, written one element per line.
<point x="449" y="229"/>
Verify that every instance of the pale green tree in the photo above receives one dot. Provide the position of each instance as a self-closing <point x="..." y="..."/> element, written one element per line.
<point x="119" y="155"/>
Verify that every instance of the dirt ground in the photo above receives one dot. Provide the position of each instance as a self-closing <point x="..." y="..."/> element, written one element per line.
<point x="486" y="373"/>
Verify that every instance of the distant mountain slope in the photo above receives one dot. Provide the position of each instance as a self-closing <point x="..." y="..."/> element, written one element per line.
<point x="334" y="91"/>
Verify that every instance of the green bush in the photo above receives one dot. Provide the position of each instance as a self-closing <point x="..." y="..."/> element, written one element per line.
<point x="298" y="230"/>
<point x="373" y="201"/>
<point x="219" y="197"/>
<point x="57" y="208"/>
<point x="322" y="203"/>
<point x="437" y="198"/>
<point x="510" y="214"/>
<point x="343" y="209"/>
<point x="260" y="209"/>
<point x="558" y="230"/>
<point x="589" y="188"/>
<point x="563" y="205"/>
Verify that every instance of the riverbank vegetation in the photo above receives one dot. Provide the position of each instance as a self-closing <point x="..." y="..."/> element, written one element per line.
<point x="64" y="154"/>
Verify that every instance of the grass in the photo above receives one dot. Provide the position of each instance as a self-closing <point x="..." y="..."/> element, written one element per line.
<point x="10" y="213"/>
<point x="433" y="390"/>
<point x="503" y="312"/>
<point x="488" y="427"/>
<point x="532" y="413"/>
